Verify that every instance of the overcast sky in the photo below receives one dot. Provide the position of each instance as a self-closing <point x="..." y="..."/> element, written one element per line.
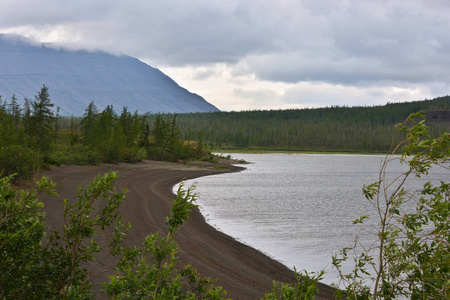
<point x="261" y="54"/>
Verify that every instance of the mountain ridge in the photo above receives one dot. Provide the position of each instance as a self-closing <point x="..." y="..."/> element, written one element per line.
<point x="75" y="78"/>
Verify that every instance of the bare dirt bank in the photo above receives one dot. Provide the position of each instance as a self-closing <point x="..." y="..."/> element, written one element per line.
<point x="241" y="270"/>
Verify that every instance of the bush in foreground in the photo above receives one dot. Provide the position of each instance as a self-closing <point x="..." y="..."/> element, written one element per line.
<point x="36" y="266"/>
<point x="15" y="159"/>
<point x="410" y="254"/>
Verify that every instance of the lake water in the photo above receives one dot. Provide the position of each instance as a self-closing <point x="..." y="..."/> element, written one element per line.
<point x="296" y="208"/>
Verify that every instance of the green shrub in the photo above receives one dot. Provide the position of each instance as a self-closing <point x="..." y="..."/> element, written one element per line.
<point x="35" y="266"/>
<point x="132" y="155"/>
<point x="74" y="156"/>
<point x="15" y="159"/>
<point x="409" y="254"/>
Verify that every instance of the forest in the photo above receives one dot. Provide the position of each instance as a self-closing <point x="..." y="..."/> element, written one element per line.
<point x="330" y="129"/>
<point x="336" y="128"/>
<point x="35" y="136"/>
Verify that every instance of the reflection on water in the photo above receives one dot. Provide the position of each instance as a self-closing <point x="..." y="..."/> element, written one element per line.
<point x="297" y="208"/>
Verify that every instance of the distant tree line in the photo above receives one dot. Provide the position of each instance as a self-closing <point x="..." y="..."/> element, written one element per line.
<point x="36" y="135"/>
<point x="335" y="128"/>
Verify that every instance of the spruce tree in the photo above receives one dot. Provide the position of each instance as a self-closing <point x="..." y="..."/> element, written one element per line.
<point x="42" y="120"/>
<point x="15" y="111"/>
<point x="88" y="125"/>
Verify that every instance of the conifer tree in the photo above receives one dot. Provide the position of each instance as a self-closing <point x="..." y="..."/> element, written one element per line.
<point x="73" y="134"/>
<point x="160" y="135"/>
<point x="15" y="111"/>
<point x="88" y="125"/>
<point x="27" y="116"/>
<point x="4" y="123"/>
<point x="57" y="118"/>
<point x="42" y="120"/>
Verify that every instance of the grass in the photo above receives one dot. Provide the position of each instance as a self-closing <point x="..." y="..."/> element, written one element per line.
<point x="221" y="167"/>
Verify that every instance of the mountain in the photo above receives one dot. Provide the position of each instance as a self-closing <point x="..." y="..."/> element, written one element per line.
<point x="75" y="78"/>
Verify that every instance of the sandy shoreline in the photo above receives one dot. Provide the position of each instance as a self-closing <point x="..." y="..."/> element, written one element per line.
<point x="242" y="271"/>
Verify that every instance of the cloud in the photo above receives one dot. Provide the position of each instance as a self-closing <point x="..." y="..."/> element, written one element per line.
<point x="373" y="44"/>
<point x="361" y="43"/>
<point x="320" y="94"/>
<point x="174" y="32"/>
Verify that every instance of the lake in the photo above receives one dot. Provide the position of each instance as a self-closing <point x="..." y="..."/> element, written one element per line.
<point x="296" y="208"/>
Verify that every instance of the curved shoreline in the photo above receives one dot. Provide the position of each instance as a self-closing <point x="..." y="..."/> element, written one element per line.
<point x="244" y="272"/>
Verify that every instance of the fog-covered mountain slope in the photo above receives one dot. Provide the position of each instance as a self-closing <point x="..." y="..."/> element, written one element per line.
<point x="75" y="78"/>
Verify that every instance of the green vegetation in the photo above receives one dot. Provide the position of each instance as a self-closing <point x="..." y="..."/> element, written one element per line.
<point x="35" y="136"/>
<point x="304" y="289"/>
<point x="106" y="136"/>
<point x="330" y="129"/>
<point x="410" y="254"/>
<point x="34" y="265"/>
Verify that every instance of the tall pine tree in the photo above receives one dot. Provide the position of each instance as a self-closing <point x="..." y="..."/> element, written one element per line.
<point x="42" y="120"/>
<point x="88" y="125"/>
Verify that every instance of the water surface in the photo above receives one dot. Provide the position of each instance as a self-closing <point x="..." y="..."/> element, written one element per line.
<point x="297" y="208"/>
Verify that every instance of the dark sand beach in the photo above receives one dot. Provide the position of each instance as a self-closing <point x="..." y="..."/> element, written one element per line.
<point x="242" y="271"/>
